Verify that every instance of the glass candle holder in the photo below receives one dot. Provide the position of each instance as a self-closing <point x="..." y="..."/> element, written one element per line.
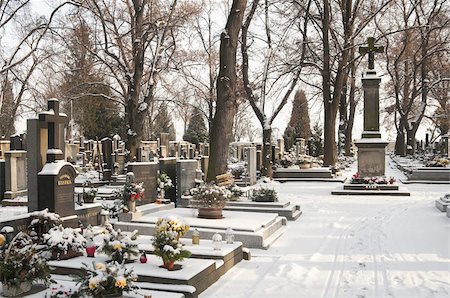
<point x="217" y="241"/>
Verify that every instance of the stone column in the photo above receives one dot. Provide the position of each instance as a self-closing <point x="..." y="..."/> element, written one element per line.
<point x="371" y="85"/>
<point x="251" y="164"/>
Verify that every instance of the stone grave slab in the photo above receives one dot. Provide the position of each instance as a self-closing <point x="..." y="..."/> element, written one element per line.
<point x="429" y="175"/>
<point x="285" y="209"/>
<point x="254" y="230"/>
<point x="146" y="172"/>
<point x="313" y="174"/>
<point x="362" y="190"/>
<point x="443" y="203"/>
<point x="198" y="273"/>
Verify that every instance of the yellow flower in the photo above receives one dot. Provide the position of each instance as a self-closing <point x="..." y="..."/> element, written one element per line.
<point x="2" y="239"/>
<point x="117" y="246"/>
<point x="93" y="283"/>
<point x="100" y="266"/>
<point x="121" y="283"/>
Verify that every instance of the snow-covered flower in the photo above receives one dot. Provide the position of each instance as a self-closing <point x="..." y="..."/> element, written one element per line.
<point x="121" y="282"/>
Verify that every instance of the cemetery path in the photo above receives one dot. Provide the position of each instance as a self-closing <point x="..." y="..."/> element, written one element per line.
<point x="350" y="247"/>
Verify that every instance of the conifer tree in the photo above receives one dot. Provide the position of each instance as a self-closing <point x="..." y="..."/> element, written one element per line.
<point x="196" y="131"/>
<point x="299" y="124"/>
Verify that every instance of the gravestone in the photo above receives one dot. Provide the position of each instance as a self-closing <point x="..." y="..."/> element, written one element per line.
<point x="2" y="179"/>
<point x="57" y="188"/>
<point x="71" y="151"/>
<point x="371" y="148"/>
<point x="169" y="166"/>
<point x="300" y="146"/>
<point x="107" y="158"/>
<point x="251" y="165"/>
<point x="446" y="147"/>
<point x="186" y="174"/>
<point x="16" y="174"/>
<point x="164" y="139"/>
<point x="41" y="147"/>
<point x="146" y="172"/>
<point x="204" y="161"/>
<point x="280" y="143"/>
<point x="163" y="151"/>
<point x="119" y="162"/>
<point x="4" y="146"/>
<point x="258" y="160"/>
<point x="17" y="142"/>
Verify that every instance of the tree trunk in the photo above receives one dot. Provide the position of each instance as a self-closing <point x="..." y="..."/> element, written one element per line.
<point x="400" y="148"/>
<point x="267" y="153"/>
<point x="226" y="106"/>
<point x="329" y="148"/>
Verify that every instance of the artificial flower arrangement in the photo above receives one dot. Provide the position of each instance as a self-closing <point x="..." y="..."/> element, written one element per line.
<point x="264" y="195"/>
<point x="172" y="223"/>
<point x="100" y="279"/>
<point x="237" y="169"/>
<point x="164" y="181"/>
<point x="89" y="194"/>
<point x="357" y="179"/>
<point x="303" y="159"/>
<point x="236" y="192"/>
<point x="133" y="191"/>
<point x="120" y="247"/>
<point x="64" y="242"/>
<point x="287" y="160"/>
<point x="21" y="263"/>
<point x="41" y="222"/>
<point x="438" y="162"/>
<point x="210" y="195"/>
<point x="166" y="242"/>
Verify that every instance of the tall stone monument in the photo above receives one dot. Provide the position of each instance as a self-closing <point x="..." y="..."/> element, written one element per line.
<point x="371" y="147"/>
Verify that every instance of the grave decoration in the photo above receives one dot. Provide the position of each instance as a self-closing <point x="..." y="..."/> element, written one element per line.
<point x="166" y="241"/>
<point x="377" y="180"/>
<point x="287" y="160"/>
<point x="65" y="243"/>
<point x="164" y="183"/>
<point x="21" y="263"/>
<point x="131" y="193"/>
<point x="438" y="162"/>
<point x="236" y="193"/>
<point x="264" y="195"/>
<point x="304" y="161"/>
<point x="210" y="199"/>
<point x="120" y="247"/>
<point x="89" y="193"/>
<point x="237" y="169"/>
<point x="41" y="222"/>
<point x="102" y="280"/>
<point x="60" y="291"/>
<point x="90" y="245"/>
<point x="172" y="223"/>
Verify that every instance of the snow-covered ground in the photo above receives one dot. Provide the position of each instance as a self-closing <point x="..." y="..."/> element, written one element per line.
<point x="356" y="246"/>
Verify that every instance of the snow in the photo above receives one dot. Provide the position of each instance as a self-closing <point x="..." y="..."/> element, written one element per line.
<point x="53" y="168"/>
<point x="350" y="246"/>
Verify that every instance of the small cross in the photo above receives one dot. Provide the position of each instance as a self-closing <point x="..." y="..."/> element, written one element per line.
<point x="53" y="119"/>
<point x="371" y="49"/>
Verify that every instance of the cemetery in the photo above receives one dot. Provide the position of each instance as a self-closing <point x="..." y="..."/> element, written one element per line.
<point x="147" y="150"/>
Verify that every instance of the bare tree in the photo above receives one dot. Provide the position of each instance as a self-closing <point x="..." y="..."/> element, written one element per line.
<point x="226" y="107"/>
<point x="272" y="67"/>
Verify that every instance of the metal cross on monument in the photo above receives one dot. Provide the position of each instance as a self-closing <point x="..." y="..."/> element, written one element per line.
<point x="53" y="119"/>
<point x="371" y="49"/>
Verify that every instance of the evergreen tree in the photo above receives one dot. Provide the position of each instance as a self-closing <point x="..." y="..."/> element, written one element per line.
<point x="299" y="124"/>
<point x="85" y="94"/>
<point x="162" y="123"/>
<point x="196" y="132"/>
<point x="316" y="140"/>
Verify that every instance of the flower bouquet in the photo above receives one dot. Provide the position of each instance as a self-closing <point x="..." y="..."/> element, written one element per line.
<point x="264" y="195"/>
<point x="166" y="242"/>
<point x="172" y="223"/>
<point x="65" y="243"/>
<point x="41" y="222"/>
<point x="120" y="247"/>
<point x="100" y="280"/>
<point x="21" y="263"/>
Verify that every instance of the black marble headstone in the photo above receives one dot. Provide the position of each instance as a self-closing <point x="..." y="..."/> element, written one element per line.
<point x="16" y="143"/>
<point x="169" y="166"/>
<point x="56" y="188"/>
<point x="146" y="172"/>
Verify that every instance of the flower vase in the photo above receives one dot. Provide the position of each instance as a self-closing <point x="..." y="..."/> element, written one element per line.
<point x="132" y="206"/>
<point x="169" y="265"/>
<point x="16" y="290"/>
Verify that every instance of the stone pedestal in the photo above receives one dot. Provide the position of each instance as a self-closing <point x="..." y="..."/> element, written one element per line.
<point x="15" y="172"/>
<point x="371" y="157"/>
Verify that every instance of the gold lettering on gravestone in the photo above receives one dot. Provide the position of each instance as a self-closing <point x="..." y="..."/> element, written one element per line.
<point x="64" y="180"/>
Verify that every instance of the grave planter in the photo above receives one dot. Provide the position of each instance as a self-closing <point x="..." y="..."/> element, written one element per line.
<point x="90" y="251"/>
<point x="111" y="295"/>
<point x="16" y="290"/>
<point x="64" y="255"/>
<point x="304" y="166"/>
<point x="169" y="265"/>
<point x="210" y="213"/>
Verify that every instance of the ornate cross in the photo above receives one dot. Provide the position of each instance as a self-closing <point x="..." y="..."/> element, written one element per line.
<point x="53" y="118"/>
<point x="371" y="49"/>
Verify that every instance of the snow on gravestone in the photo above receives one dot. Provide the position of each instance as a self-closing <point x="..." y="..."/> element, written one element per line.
<point x="56" y="188"/>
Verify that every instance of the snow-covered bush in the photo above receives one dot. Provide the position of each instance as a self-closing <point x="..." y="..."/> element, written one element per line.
<point x="63" y="240"/>
<point x="264" y="195"/>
